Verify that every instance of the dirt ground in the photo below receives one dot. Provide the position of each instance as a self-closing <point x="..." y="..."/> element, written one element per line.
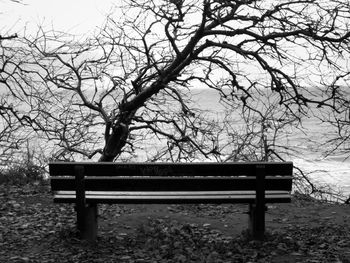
<point x="33" y="229"/>
<point x="230" y="219"/>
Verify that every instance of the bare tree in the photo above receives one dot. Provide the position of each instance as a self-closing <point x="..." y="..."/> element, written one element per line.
<point x="130" y="84"/>
<point x="11" y="122"/>
<point x="338" y="142"/>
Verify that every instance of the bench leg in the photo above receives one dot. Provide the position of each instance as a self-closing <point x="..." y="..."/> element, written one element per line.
<point x="87" y="225"/>
<point x="257" y="221"/>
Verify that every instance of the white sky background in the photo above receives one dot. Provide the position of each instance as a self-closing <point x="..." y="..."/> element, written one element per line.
<point x="72" y="16"/>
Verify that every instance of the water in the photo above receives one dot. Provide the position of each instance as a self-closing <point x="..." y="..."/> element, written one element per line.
<point x="332" y="171"/>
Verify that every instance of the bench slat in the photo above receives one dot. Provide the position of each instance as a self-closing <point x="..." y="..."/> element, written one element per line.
<point x="170" y="169"/>
<point x="171" y="184"/>
<point x="162" y="193"/>
<point x="143" y="198"/>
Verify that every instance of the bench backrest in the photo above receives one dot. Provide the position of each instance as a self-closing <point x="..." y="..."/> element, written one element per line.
<point x="172" y="176"/>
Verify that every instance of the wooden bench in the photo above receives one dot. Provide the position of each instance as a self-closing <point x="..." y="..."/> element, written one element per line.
<point x="88" y="184"/>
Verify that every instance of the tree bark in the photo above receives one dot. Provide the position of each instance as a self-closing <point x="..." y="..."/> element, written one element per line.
<point x="115" y="143"/>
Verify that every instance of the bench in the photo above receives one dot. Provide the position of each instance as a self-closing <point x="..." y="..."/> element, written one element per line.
<point x="88" y="184"/>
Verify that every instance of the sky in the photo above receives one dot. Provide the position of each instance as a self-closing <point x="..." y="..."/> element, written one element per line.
<point x="72" y="16"/>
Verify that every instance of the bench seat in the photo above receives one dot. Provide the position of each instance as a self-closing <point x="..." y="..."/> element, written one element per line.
<point x="183" y="197"/>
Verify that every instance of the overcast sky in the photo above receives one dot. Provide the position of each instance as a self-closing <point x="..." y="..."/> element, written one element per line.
<point x="74" y="16"/>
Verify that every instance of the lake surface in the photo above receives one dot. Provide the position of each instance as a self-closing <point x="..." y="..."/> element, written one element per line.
<point x="333" y="170"/>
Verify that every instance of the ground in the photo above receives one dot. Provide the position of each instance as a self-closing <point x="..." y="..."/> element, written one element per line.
<point x="33" y="229"/>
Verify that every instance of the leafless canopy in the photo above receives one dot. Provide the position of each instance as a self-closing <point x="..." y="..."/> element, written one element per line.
<point x="130" y="84"/>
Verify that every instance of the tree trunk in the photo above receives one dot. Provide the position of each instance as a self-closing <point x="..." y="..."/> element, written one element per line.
<point x="115" y="143"/>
